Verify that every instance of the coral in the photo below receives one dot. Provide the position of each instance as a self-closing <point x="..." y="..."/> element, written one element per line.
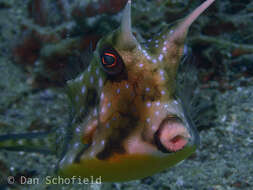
<point x="57" y="33"/>
<point x="28" y="50"/>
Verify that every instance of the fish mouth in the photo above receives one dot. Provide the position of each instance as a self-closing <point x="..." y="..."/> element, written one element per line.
<point x="172" y="135"/>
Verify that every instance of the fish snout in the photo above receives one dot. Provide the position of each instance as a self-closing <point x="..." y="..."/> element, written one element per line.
<point x="171" y="135"/>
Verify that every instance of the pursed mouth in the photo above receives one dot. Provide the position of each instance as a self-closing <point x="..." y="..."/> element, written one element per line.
<point x="172" y="135"/>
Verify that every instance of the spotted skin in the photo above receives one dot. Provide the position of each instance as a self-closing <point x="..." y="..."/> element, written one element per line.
<point x="126" y="113"/>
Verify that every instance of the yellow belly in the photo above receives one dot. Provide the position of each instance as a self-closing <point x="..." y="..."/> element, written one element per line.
<point x="125" y="167"/>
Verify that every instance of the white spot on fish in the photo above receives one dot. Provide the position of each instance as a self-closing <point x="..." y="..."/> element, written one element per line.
<point x="148" y="57"/>
<point x="91" y="79"/>
<point x="157" y="113"/>
<point x="147" y="89"/>
<point x="78" y="130"/>
<point x="157" y="103"/>
<point x="95" y="113"/>
<point x="185" y="49"/>
<point x="102" y="96"/>
<point x="164" y="49"/>
<point x="163" y="92"/>
<point x="162" y="73"/>
<point x="81" y="78"/>
<point x="154" y="61"/>
<point x="102" y="142"/>
<point x="118" y="91"/>
<point x="103" y="110"/>
<point x="76" y="145"/>
<point x="97" y="71"/>
<point x="141" y="65"/>
<point x="83" y="89"/>
<point x="148" y="104"/>
<point x="148" y="120"/>
<point x="160" y="57"/>
<point x="127" y="86"/>
<point x="109" y="104"/>
<point x="145" y="53"/>
<point x="175" y="102"/>
<point x="100" y="82"/>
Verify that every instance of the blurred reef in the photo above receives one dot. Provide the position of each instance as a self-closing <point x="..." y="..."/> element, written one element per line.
<point x="44" y="43"/>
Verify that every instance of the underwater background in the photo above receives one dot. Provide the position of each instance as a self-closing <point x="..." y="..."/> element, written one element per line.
<point x="44" y="43"/>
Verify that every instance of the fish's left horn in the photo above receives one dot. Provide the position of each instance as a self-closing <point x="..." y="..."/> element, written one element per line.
<point x="172" y="47"/>
<point x="183" y="27"/>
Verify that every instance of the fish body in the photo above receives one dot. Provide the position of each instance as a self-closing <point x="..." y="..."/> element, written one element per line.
<point x="127" y="120"/>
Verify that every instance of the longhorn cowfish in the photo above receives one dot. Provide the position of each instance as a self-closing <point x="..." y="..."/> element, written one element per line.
<point x="127" y="119"/>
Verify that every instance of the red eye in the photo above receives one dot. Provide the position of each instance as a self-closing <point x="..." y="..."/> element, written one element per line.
<point x="109" y="60"/>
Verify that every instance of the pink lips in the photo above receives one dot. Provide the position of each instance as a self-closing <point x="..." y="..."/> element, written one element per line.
<point x="174" y="136"/>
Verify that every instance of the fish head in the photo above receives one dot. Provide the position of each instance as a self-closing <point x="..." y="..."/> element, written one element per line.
<point x="128" y="122"/>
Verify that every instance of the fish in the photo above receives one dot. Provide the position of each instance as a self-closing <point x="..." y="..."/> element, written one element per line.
<point x="127" y="121"/>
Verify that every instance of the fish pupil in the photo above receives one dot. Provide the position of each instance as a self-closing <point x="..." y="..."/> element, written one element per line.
<point x="109" y="60"/>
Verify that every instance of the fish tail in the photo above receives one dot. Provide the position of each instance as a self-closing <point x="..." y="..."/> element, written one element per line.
<point x="27" y="142"/>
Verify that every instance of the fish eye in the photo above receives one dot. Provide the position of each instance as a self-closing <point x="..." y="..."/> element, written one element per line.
<point x="111" y="61"/>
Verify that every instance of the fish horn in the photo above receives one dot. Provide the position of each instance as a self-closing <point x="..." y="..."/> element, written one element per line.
<point x="172" y="48"/>
<point x="126" y="39"/>
<point x="182" y="29"/>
